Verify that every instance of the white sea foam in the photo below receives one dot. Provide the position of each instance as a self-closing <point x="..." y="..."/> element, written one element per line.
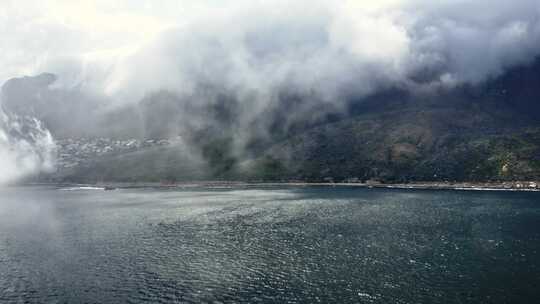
<point x="81" y="188"/>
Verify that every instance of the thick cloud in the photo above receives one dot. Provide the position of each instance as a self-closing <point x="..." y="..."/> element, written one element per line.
<point x="469" y="41"/>
<point x="128" y="49"/>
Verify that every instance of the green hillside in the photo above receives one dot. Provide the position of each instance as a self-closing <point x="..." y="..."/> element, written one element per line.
<point x="487" y="132"/>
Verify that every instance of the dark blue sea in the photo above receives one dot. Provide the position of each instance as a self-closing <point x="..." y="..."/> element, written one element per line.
<point x="268" y="245"/>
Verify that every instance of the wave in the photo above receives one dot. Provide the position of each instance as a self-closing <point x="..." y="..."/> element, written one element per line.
<point x="81" y="188"/>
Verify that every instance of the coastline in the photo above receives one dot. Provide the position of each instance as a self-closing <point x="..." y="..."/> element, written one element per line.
<point x="516" y="186"/>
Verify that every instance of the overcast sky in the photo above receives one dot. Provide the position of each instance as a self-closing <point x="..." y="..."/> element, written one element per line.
<point x="125" y="48"/>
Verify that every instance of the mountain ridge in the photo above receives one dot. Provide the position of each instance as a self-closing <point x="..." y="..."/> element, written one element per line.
<point x="486" y="132"/>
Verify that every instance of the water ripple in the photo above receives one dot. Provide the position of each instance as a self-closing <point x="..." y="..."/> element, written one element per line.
<point x="260" y="246"/>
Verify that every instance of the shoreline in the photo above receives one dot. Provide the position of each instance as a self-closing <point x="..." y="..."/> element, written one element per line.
<point x="517" y="186"/>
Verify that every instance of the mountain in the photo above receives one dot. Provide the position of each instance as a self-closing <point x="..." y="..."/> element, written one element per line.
<point x="484" y="132"/>
<point x="428" y="144"/>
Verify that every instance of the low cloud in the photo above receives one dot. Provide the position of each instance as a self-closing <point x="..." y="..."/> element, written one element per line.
<point x="26" y="148"/>
<point x="326" y="47"/>
<point x="320" y="46"/>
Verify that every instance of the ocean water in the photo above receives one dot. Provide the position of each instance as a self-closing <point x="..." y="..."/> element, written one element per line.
<point x="275" y="245"/>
